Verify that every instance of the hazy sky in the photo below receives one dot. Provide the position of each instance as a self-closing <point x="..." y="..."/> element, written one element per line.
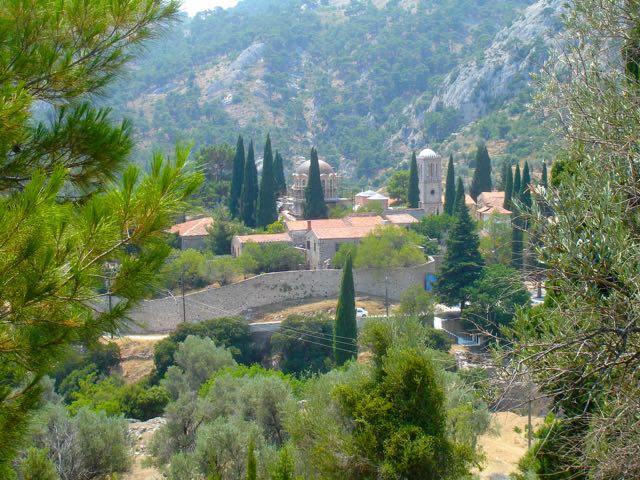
<point x="194" y="6"/>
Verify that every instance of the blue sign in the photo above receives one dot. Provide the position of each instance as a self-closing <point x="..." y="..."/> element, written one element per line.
<point x="429" y="280"/>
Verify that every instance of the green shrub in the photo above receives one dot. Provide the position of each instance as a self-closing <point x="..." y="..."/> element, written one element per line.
<point x="37" y="466"/>
<point x="229" y="332"/>
<point x="143" y="403"/>
<point x="304" y="344"/>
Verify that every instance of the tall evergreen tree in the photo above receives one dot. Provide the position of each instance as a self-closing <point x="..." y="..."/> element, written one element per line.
<point x="235" y="191"/>
<point x="544" y="181"/>
<point x="278" y="175"/>
<point x="462" y="263"/>
<point x="54" y="248"/>
<point x="345" y="331"/>
<point x="314" y="205"/>
<point x="507" y="179"/>
<point x="450" y="189"/>
<point x="267" y="210"/>
<point x="516" y="193"/>
<point x="414" y="184"/>
<point x="252" y="467"/>
<point x="482" y="175"/>
<point x="525" y="196"/>
<point x="460" y="196"/>
<point x="249" y="195"/>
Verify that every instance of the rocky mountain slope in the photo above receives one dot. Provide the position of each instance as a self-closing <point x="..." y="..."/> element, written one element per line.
<point x="364" y="81"/>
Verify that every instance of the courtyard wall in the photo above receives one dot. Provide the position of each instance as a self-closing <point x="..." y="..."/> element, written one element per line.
<point x="164" y="314"/>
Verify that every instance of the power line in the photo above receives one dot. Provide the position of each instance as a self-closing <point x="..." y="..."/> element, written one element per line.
<point x="317" y="343"/>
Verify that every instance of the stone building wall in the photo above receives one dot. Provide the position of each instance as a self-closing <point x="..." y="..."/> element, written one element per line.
<point x="164" y="314"/>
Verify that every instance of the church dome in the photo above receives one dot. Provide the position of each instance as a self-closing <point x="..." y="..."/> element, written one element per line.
<point x="303" y="168"/>
<point x="428" y="153"/>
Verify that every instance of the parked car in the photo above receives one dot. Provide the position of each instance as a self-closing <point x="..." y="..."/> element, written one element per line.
<point x="361" y="313"/>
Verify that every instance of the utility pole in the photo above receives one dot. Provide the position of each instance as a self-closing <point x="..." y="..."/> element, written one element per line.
<point x="184" y="307"/>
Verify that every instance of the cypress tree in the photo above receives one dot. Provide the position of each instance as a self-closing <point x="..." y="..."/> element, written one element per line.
<point x="345" y="331"/>
<point x="450" y="189"/>
<point x="525" y="196"/>
<point x="516" y="193"/>
<point x="314" y="206"/>
<point x="544" y="181"/>
<point x="278" y="175"/>
<point x="459" y="195"/>
<point x="507" y="178"/>
<point x="249" y="190"/>
<point x="462" y="263"/>
<point x="414" y="184"/>
<point x="235" y="190"/>
<point x="482" y="175"/>
<point x="252" y="467"/>
<point x="267" y="210"/>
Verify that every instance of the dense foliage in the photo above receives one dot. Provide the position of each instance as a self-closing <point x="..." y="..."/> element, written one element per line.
<point x="73" y="214"/>
<point x="345" y="329"/>
<point x="581" y="347"/>
<point x="462" y="263"/>
<point x="381" y="59"/>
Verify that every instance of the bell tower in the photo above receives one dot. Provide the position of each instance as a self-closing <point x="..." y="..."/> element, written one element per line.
<point x="430" y="180"/>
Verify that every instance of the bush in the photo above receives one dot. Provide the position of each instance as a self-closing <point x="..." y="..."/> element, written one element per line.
<point x="345" y="250"/>
<point x="89" y="445"/>
<point x="304" y="344"/>
<point x="37" y="466"/>
<point x="417" y="301"/>
<point x="143" y="403"/>
<point x="271" y="257"/>
<point x="438" y="340"/>
<point x="389" y="247"/>
<point x="192" y="266"/>
<point x="229" y="332"/>
<point x="196" y="359"/>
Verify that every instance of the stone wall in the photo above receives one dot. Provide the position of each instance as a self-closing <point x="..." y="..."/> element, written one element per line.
<point x="164" y="314"/>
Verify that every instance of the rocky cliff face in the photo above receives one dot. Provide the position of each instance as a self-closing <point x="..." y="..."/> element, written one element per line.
<point x="355" y="79"/>
<point x="516" y="52"/>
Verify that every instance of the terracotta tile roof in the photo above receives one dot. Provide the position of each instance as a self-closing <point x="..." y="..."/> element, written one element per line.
<point x="363" y="221"/>
<point x="494" y="209"/>
<point x="401" y="218"/>
<point x="192" y="228"/>
<point x="342" y="233"/>
<point x="491" y="199"/>
<point x="468" y="200"/>
<point x="264" y="238"/>
<point x="298" y="225"/>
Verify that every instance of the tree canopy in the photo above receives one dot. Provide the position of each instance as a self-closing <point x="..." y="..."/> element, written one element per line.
<point x="314" y="204"/>
<point x="72" y="211"/>
<point x="462" y="263"/>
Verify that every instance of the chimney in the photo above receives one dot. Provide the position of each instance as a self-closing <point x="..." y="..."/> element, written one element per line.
<point x="308" y="224"/>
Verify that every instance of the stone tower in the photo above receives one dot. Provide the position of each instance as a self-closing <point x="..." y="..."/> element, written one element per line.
<point x="430" y="180"/>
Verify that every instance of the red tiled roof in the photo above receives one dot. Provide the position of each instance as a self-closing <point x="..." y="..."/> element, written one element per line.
<point x="343" y="233"/>
<point x="350" y="221"/>
<point x="494" y="209"/>
<point x="363" y="221"/>
<point x="491" y="199"/>
<point x="265" y="238"/>
<point x="192" y="228"/>
<point x="298" y="225"/>
<point x="468" y="200"/>
<point x="401" y="218"/>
